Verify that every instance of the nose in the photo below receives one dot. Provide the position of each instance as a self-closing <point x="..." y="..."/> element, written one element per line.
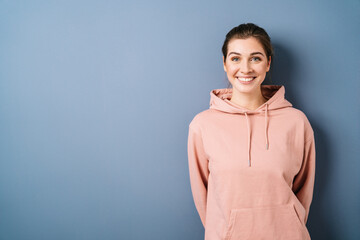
<point x="245" y="67"/>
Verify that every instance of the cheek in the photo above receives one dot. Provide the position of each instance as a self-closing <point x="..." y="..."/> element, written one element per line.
<point x="232" y="68"/>
<point x="261" y="68"/>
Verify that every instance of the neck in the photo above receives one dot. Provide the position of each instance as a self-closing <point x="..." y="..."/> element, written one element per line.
<point x="250" y="101"/>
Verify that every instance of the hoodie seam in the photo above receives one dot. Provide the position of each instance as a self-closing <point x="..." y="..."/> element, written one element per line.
<point x="310" y="139"/>
<point x="198" y="131"/>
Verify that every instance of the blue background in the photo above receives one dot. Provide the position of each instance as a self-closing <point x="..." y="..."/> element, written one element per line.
<point x="96" y="98"/>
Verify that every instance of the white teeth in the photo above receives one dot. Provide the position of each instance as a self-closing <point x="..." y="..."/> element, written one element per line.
<point x="246" y="79"/>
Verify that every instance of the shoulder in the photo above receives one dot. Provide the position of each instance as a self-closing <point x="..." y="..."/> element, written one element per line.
<point x="202" y="118"/>
<point x="302" y="121"/>
<point x="297" y="113"/>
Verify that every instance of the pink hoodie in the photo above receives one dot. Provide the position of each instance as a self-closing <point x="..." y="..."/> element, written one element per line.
<point x="252" y="172"/>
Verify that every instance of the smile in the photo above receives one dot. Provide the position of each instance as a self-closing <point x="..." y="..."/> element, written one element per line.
<point x="245" y="79"/>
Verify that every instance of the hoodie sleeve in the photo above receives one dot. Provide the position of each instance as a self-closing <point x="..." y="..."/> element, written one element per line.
<point x="198" y="169"/>
<point x="303" y="184"/>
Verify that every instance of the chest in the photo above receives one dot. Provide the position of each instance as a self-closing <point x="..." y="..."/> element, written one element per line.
<point x="229" y="146"/>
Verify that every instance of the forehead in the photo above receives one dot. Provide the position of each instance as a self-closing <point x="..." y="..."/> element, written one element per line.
<point x="245" y="46"/>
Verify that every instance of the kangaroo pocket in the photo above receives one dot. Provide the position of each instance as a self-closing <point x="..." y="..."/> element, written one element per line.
<point x="280" y="222"/>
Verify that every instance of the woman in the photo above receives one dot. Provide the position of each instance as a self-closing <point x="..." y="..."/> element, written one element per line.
<point x="251" y="154"/>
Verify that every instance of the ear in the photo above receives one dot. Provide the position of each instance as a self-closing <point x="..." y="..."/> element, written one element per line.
<point x="224" y="64"/>
<point x="268" y="66"/>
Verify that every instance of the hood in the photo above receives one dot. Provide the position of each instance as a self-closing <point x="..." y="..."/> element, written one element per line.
<point x="275" y="95"/>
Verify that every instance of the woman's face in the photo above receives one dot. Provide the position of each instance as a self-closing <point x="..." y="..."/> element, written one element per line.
<point x="246" y="64"/>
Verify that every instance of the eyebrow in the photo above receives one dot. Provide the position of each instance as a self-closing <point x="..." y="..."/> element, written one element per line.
<point x="253" y="53"/>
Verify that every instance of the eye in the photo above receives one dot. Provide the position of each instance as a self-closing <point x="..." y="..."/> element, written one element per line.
<point x="235" y="59"/>
<point x="256" y="59"/>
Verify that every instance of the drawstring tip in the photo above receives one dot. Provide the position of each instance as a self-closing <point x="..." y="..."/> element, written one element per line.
<point x="267" y="146"/>
<point x="249" y="162"/>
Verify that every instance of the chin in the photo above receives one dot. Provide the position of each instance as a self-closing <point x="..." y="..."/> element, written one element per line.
<point x="246" y="88"/>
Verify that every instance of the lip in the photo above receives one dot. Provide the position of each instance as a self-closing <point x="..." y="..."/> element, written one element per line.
<point x="245" y="82"/>
<point x="245" y="76"/>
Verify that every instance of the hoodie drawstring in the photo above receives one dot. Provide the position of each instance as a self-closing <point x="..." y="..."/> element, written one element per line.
<point x="220" y="100"/>
<point x="266" y="127"/>
<point x="249" y="132"/>
<point x="249" y="129"/>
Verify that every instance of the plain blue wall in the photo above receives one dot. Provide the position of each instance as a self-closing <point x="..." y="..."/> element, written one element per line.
<point x="96" y="98"/>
